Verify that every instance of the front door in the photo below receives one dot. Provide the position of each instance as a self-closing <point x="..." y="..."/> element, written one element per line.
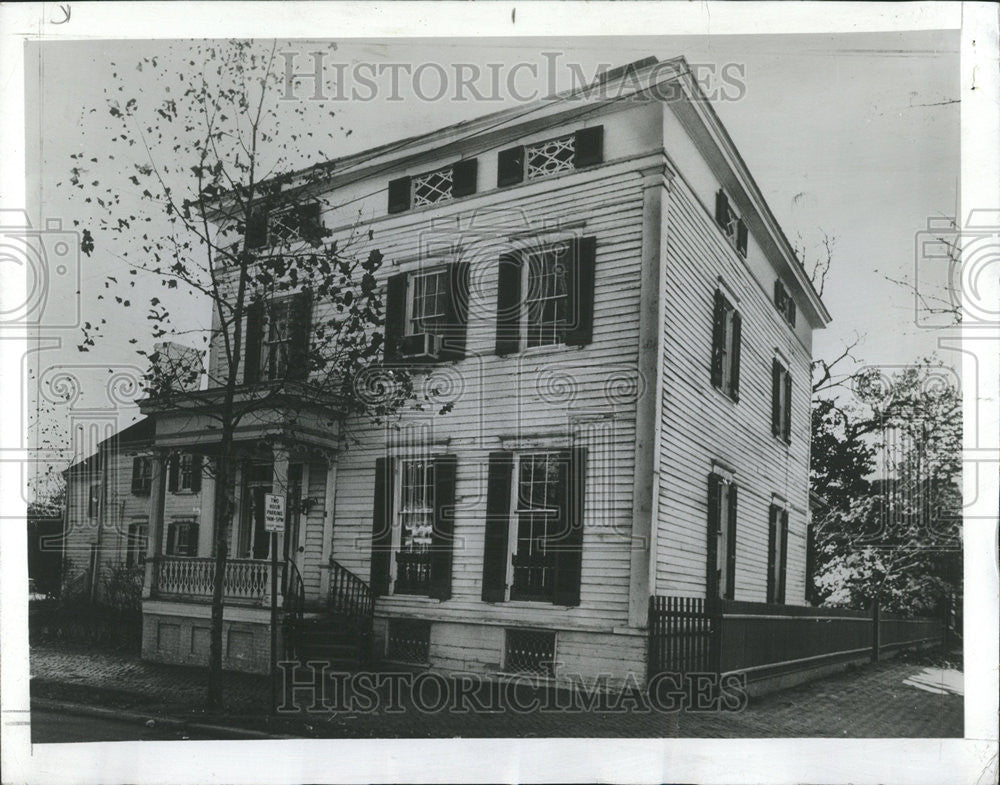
<point x="254" y="541"/>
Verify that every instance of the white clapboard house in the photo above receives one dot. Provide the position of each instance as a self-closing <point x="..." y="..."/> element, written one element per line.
<point x="596" y="292"/>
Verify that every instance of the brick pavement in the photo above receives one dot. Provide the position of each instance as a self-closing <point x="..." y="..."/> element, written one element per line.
<point x="869" y="701"/>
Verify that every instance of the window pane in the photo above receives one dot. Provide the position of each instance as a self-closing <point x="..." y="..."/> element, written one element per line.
<point x="547" y="295"/>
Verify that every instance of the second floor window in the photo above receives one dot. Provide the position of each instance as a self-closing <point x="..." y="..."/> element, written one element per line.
<point x="546" y="293"/>
<point x="142" y="475"/>
<point x="726" y="341"/>
<point x="277" y="339"/>
<point x="781" y="401"/>
<point x="428" y="302"/>
<point x="184" y="473"/>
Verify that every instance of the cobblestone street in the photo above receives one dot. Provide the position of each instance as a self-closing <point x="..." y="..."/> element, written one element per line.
<point x="909" y="696"/>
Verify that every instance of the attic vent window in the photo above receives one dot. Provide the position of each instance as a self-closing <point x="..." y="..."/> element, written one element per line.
<point x="433" y="187"/>
<point x="551" y="157"/>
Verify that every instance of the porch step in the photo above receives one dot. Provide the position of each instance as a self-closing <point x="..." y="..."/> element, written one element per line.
<point x="328" y="639"/>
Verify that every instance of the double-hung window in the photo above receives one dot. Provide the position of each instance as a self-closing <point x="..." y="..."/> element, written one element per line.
<point x="777" y="553"/>
<point x="726" y="341"/>
<point x="277" y="338"/>
<point x="427" y="302"/>
<point x="546" y="295"/>
<point x="182" y="538"/>
<point x="540" y="490"/>
<point x="781" y="401"/>
<point x="184" y="473"/>
<point x="415" y="524"/>
<point x="142" y="475"/>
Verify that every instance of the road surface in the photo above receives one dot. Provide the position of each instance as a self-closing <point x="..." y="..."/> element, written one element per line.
<point x="58" y="727"/>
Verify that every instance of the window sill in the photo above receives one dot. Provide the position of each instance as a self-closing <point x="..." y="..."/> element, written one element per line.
<point x="723" y="394"/>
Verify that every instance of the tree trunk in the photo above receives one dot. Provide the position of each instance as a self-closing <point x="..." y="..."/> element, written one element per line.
<point x="221" y="517"/>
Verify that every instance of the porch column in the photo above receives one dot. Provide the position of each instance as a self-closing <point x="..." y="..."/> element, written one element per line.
<point x="154" y="530"/>
<point x="206" y="514"/>
<point x="279" y="483"/>
<point x="329" y="511"/>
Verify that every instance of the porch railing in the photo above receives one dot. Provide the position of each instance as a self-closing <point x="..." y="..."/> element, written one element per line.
<point x="246" y="580"/>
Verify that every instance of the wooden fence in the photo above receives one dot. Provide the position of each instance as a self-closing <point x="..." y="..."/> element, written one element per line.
<point x="687" y="636"/>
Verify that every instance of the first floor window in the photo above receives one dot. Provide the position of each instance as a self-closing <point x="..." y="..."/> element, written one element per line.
<point x="415" y="526"/>
<point x="721" y="567"/>
<point x="182" y="538"/>
<point x="135" y="549"/>
<point x="726" y="340"/>
<point x="781" y="401"/>
<point x="777" y="553"/>
<point x="541" y="479"/>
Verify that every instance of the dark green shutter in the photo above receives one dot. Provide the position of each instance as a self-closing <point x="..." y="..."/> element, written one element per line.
<point x="734" y="356"/>
<point x="173" y="473"/>
<point x="382" y="527"/>
<point x="463" y="177"/>
<point x="722" y="209"/>
<point x="741" y="238"/>
<point x="137" y="482"/>
<point x="508" y="338"/>
<point x="457" y="312"/>
<point x="588" y="147"/>
<point x="496" y="552"/>
<point x="256" y="229"/>
<point x="399" y="195"/>
<point x="395" y="315"/>
<point x="310" y="227"/>
<point x="779" y="297"/>
<point x="196" y="473"/>
<point x="300" y="322"/>
<point x="718" y="337"/>
<point x="510" y="166"/>
<point x="443" y="533"/>
<point x="251" y="354"/>
<point x="580" y="288"/>
<point x="568" y="546"/>
<point x="791" y="311"/>
<point x="775" y="397"/>
<point x="772" y="540"/>
<point x="714" y="522"/>
<point x="787" y="430"/>
<point x="783" y="558"/>
<point x="731" y="544"/>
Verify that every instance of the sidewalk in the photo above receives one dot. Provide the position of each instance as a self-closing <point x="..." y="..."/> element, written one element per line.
<point x="909" y="696"/>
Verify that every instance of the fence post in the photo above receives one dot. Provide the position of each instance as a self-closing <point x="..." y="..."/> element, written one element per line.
<point x="876" y="632"/>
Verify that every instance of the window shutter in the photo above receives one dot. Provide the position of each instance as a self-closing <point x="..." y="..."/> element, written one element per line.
<point x="569" y="545"/>
<point x="810" y="561"/>
<point x="399" y="195"/>
<point x="256" y="229"/>
<point x="772" y="533"/>
<point x="741" y="238"/>
<point x="463" y="177"/>
<point x="251" y="355"/>
<point x="791" y="311"/>
<point x="381" y="527"/>
<point x="496" y="552"/>
<point x="731" y="544"/>
<point x="310" y="227"/>
<point x="588" y="147"/>
<point x="783" y="558"/>
<point x="172" y="540"/>
<point x="395" y="315"/>
<point x="173" y="473"/>
<point x="734" y="357"/>
<point x="779" y="296"/>
<point x="301" y="322"/>
<point x="787" y="433"/>
<point x="442" y="535"/>
<point x="508" y="338"/>
<point x="196" y="473"/>
<point x="458" y="311"/>
<point x="722" y="209"/>
<point x="714" y="522"/>
<point x="137" y="475"/>
<point x="580" y="286"/>
<point x="775" y="397"/>
<point x="718" y="337"/>
<point x="510" y="166"/>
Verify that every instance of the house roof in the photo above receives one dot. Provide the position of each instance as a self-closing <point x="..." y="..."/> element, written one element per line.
<point x="138" y="433"/>
<point x="642" y="79"/>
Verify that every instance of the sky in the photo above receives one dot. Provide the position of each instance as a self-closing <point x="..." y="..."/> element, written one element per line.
<point x="851" y="137"/>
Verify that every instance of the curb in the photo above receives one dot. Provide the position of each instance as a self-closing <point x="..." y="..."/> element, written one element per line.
<point x="84" y="710"/>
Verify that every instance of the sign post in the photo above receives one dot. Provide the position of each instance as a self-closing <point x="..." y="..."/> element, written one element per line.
<point x="274" y="522"/>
